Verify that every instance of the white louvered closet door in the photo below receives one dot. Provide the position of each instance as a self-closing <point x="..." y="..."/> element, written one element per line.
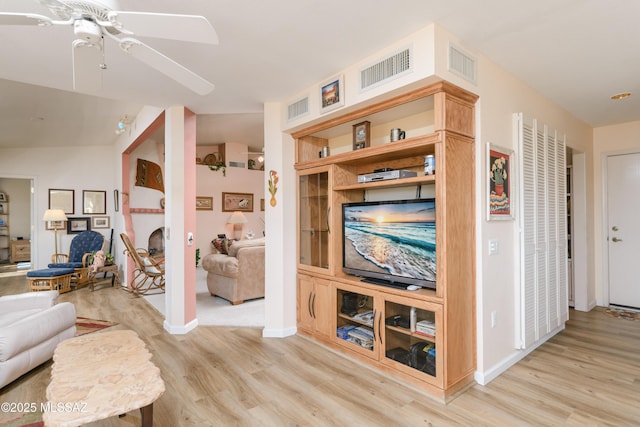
<point x="543" y="221"/>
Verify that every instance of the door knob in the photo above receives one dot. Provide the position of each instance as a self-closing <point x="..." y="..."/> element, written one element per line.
<point x="615" y="240"/>
<point x="614" y="228"/>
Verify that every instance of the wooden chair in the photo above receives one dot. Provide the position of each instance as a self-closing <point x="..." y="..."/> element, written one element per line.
<point x="148" y="275"/>
<point x="80" y="251"/>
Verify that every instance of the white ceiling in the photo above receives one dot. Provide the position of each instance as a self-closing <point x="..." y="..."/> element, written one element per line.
<point x="576" y="52"/>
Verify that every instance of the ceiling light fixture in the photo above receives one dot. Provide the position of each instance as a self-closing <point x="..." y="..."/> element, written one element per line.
<point x="619" y="96"/>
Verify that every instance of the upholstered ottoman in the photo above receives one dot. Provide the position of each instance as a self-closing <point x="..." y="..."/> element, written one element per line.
<point x="50" y="279"/>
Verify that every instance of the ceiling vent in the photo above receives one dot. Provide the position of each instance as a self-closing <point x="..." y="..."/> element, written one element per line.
<point x="298" y="108"/>
<point x="387" y="69"/>
<point x="462" y="64"/>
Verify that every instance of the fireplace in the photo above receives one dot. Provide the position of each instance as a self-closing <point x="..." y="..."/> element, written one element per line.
<point x="156" y="243"/>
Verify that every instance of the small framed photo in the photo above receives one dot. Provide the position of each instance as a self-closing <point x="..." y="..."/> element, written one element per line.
<point x="94" y="202"/>
<point x="3" y="197"/>
<point x="232" y="202"/>
<point x="78" y="225"/>
<point x="261" y="205"/>
<point x="361" y="135"/>
<point x="62" y="199"/>
<point x="100" y="222"/>
<point x="332" y="94"/>
<point x="204" y="203"/>
<point x="500" y="178"/>
<point x="55" y="225"/>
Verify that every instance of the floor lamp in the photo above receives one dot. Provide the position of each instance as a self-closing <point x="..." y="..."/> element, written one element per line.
<point x="54" y="217"/>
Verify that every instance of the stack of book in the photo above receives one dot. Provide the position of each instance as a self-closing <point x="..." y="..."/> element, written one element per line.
<point x="426" y="328"/>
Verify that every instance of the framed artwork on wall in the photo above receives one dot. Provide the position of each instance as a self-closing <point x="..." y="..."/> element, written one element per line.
<point x="62" y="199"/>
<point x="332" y="94"/>
<point x="78" y="225"/>
<point x="500" y="179"/>
<point x="100" y="222"/>
<point x="204" y="203"/>
<point x="94" y="202"/>
<point x="232" y="202"/>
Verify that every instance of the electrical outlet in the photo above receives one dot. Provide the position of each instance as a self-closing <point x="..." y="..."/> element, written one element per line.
<point x="493" y="319"/>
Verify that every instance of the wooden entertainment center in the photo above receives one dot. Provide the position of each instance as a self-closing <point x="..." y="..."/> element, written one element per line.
<point x="438" y="120"/>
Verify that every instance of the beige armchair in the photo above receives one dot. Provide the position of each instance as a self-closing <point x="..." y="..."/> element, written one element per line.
<point x="239" y="275"/>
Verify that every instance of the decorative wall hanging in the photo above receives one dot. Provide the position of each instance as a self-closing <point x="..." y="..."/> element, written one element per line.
<point x="499" y="180"/>
<point x="273" y="186"/>
<point x="94" y="202"/>
<point x="149" y="174"/>
<point x="61" y="199"/>
<point x="232" y="202"/>
<point x="204" y="203"/>
<point x="78" y="225"/>
<point x="332" y="94"/>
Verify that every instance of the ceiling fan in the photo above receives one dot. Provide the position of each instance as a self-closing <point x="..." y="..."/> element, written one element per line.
<point x="93" y="19"/>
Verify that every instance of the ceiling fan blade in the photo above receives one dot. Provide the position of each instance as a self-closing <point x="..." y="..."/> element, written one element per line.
<point x="166" y="65"/>
<point x="24" y="19"/>
<point x="87" y="73"/>
<point x="190" y="28"/>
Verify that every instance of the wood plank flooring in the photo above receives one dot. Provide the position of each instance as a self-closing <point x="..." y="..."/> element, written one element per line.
<point x="587" y="375"/>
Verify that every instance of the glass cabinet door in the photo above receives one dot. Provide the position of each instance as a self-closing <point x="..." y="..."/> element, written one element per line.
<point x="313" y="221"/>
<point x="411" y="337"/>
<point x="356" y="325"/>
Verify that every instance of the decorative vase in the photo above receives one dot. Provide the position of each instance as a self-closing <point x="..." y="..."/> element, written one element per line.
<point x="499" y="189"/>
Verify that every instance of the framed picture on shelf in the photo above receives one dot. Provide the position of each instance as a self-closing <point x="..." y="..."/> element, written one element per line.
<point x="232" y="202"/>
<point x="500" y="178"/>
<point x="100" y="222"/>
<point x="361" y="135"/>
<point x="62" y="199"/>
<point x="204" y="203"/>
<point x="94" y="202"/>
<point x="78" y="225"/>
<point x="3" y="197"/>
<point x="332" y="94"/>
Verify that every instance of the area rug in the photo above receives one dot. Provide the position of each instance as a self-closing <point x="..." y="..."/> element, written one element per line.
<point x="623" y="314"/>
<point x="23" y="419"/>
<point x="86" y="326"/>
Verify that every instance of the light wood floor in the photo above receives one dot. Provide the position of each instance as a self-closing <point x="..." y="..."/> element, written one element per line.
<point x="587" y="375"/>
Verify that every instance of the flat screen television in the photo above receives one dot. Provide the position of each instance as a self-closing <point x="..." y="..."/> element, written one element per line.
<point x="390" y="243"/>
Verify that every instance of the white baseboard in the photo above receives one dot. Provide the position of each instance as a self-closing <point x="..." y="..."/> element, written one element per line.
<point x="180" y="329"/>
<point x="279" y="333"/>
<point x="485" y="377"/>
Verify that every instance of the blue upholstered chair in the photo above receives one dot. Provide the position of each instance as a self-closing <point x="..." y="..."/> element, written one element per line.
<point x="78" y="258"/>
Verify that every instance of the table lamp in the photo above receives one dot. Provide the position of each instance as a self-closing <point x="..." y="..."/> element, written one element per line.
<point x="53" y="215"/>
<point x="237" y="219"/>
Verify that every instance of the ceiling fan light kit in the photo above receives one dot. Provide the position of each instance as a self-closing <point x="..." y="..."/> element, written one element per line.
<point x="93" y="19"/>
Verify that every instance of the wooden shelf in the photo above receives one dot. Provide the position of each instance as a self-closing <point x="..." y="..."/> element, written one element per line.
<point x="447" y="134"/>
<point x="417" y="180"/>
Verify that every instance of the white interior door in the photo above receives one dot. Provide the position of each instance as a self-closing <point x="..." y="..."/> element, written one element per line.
<point x="623" y="232"/>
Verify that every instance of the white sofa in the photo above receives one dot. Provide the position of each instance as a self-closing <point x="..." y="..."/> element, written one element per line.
<point x="31" y="326"/>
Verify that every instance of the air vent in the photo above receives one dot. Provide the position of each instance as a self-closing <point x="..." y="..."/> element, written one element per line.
<point x="298" y="108"/>
<point x="385" y="70"/>
<point x="462" y="64"/>
<point x="236" y="164"/>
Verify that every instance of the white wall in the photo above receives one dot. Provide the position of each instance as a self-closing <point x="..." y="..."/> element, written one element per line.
<point x="73" y="168"/>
